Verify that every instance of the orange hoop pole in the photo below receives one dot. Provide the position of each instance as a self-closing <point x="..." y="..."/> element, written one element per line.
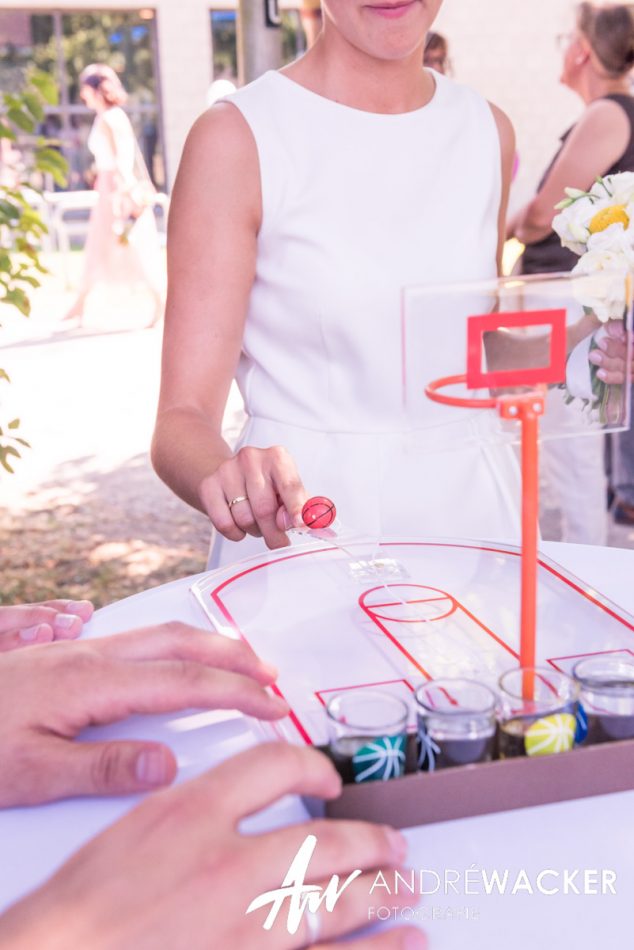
<point x="526" y="409"/>
<point x="530" y="502"/>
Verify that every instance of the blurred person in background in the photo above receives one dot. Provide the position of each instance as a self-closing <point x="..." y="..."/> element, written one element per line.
<point x="436" y="54"/>
<point x="122" y="245"/>
<point x="598" y="56"/>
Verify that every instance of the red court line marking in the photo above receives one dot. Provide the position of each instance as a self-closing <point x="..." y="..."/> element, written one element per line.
<point x="399" y="646"/>
<point x="319" y="693"/>
<point x="215" y="596"/>
<point x="370" y="609"/>
<point x="580" y="656"/>
<point x="490" y="632"/>
<point x="547" y="567"/>
<point x="400" y="603"/>
<point x="456" y="605"/>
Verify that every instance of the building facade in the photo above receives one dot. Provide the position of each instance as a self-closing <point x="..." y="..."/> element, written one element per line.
<point x="169" y="53"/>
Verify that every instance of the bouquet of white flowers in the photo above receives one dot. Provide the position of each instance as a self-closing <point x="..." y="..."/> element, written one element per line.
<point x="598" y="225"/>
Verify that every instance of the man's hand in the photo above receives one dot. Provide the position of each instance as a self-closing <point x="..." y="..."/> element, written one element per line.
<point x="176" y="872"/>
<point x="49" y="693"/>
<point x="27" y="624"/>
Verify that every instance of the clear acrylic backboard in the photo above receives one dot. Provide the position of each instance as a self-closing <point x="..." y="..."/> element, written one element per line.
<point x="510" y="335"/>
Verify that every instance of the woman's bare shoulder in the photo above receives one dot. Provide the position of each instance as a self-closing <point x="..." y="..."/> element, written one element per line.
<point x="504" y="127"/>
<point x="219" y="167"/>
<point x="221" y="132"/>
<point x="603" y="116"/>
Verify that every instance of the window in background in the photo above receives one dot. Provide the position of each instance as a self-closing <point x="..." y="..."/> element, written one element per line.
<point x="62" y="43"/>
<point x="223" y="40"/>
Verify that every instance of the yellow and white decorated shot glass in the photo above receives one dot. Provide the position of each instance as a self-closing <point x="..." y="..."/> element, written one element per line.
<point x="543" y="720"/>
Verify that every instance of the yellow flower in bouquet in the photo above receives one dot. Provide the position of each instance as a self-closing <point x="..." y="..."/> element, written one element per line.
<point x="598" y="225"/>
<point x="607" y="209"/>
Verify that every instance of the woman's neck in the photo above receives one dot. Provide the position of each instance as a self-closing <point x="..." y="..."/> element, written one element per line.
<point x="595" y="86"/>
<point x="338" y="71"/>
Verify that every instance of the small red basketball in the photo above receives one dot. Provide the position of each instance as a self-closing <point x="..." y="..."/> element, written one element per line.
<point x="319" y="512"/>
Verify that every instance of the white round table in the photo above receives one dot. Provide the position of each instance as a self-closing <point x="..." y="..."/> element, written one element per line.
<point x="591" y="834"/>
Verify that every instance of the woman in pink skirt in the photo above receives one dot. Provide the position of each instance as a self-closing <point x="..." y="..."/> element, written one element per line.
<point x="122" y="243"/>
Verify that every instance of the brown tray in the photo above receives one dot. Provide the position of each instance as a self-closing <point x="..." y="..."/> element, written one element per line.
<point x="463" y="791"/>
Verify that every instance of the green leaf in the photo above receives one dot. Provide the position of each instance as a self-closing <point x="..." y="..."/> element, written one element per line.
<point x="14" y="424"/>
<point x="17" y="298"/>
<point x="21" y="119"/>
<point x="8" y="450"/>
<point x="9" y="211"/>
<point x="31" y="281"/>
<point x="33" y="104"/>
<point x="45" y="164"/>
<point x="22" y="442"/>
<point x="45" y="85"/>
<point x="53" y="156"/>
<point x="11" y="102"/>
<point x="6" y="132"/>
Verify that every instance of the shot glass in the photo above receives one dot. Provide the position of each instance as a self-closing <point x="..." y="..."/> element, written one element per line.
<point x="538" y="712"/>
<point x="606" y="694"/>
<point x="368" y="734"/>
<point x="456" y="723"/>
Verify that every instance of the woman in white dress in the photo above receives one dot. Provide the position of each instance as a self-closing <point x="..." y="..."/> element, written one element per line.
<point x="122" y="245"/>
<point x="303" y="204"/>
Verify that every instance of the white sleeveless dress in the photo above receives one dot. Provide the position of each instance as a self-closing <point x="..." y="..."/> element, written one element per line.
<point x="356" y="206"/>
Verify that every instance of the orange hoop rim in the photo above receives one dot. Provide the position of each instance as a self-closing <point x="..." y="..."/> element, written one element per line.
<point x="466" y="402"/>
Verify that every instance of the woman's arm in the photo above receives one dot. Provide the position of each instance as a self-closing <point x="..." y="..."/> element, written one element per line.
<point x="212" y="240"/>
<point x="594" y="145"/>
<point x="507" y="149"/>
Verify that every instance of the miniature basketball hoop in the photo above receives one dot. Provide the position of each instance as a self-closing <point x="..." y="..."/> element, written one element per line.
<point x="525" y="408"/>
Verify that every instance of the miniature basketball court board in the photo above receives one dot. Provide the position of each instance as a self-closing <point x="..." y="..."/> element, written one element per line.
<point x="358" y="613"/>
<point x="397" y="613"/>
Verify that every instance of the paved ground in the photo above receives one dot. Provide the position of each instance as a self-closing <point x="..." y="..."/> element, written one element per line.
<point x="84" y="512"/>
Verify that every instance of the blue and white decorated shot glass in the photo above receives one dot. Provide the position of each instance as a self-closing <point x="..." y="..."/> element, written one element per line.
<point x="456" y="723"/>
<point x="368" y="734"/>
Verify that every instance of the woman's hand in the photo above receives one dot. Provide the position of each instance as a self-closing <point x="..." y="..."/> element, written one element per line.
<point x="611" y="355"/>
<point x="27" y="624"/>
<point x="257" y="492"/>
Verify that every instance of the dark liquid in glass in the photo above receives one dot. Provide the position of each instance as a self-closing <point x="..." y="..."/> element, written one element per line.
<point x="511" y="738"/>
<point x="464" y="751"/>
<point x="602" y="727"/>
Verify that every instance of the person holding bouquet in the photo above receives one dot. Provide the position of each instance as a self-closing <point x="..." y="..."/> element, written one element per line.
<point x="122" y="242"/>
<point x="598" y="56"/>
